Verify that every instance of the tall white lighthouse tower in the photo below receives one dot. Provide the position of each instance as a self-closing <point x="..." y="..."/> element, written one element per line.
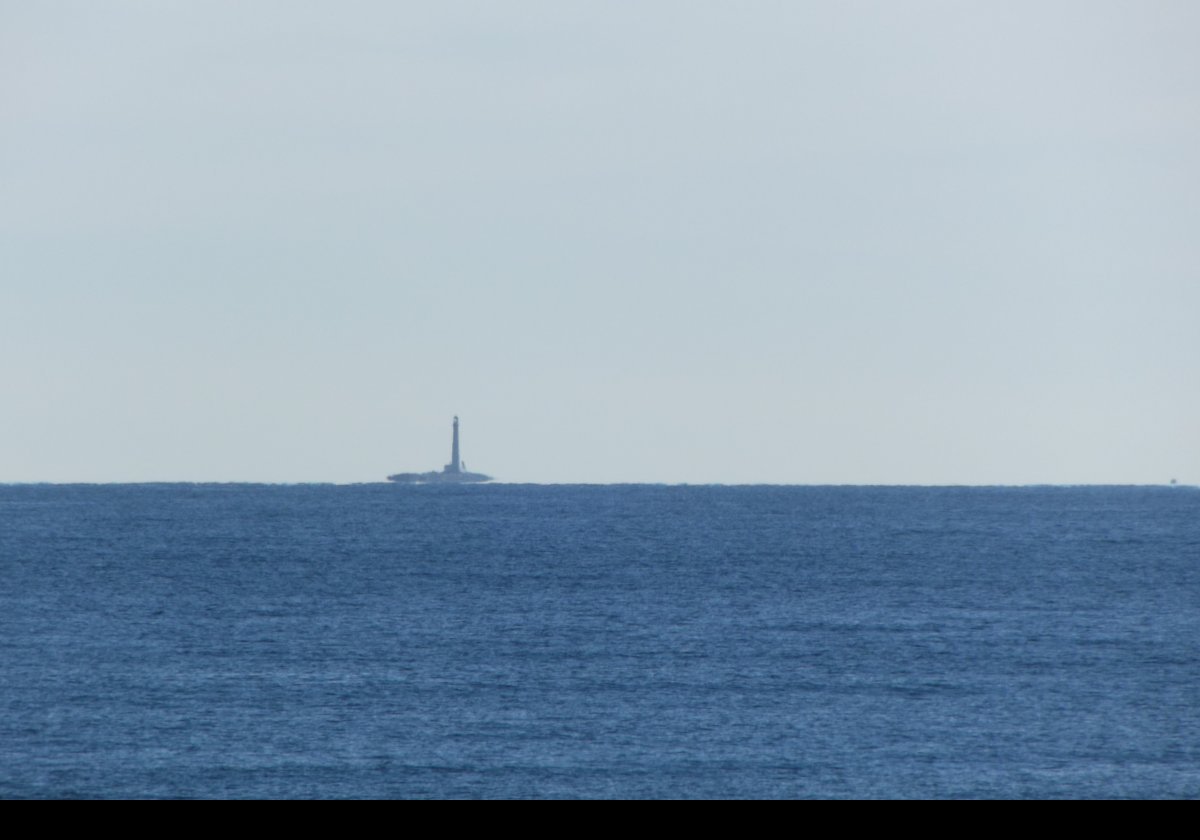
<point x="455" y="465"/>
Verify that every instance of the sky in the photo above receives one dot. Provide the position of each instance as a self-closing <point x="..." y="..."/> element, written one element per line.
<point x="853" y="242"/>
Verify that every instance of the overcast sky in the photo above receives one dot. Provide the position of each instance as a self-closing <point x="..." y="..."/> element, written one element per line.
<point x="891" y="241"/>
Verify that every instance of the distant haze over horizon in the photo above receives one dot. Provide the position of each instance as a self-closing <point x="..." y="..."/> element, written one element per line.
<point x="875" y="243"/>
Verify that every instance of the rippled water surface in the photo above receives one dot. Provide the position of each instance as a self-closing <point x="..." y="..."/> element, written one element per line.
<point x="618" y="641"/>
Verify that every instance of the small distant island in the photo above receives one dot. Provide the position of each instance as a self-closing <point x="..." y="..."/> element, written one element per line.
<point x="452" y="473"/>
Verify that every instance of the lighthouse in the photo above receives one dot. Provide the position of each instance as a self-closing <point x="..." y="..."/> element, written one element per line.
<point x="455" y="465"/>
<point x="452" y="473"/>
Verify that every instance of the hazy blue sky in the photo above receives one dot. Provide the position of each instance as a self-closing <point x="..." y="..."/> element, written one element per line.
<point x="901" y="241"/>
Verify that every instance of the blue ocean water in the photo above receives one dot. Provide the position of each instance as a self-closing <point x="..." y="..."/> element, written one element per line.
<point x="599" y="641"/>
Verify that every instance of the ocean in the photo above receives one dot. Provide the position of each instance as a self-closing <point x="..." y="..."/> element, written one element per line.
<point x="522" y="641"/>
